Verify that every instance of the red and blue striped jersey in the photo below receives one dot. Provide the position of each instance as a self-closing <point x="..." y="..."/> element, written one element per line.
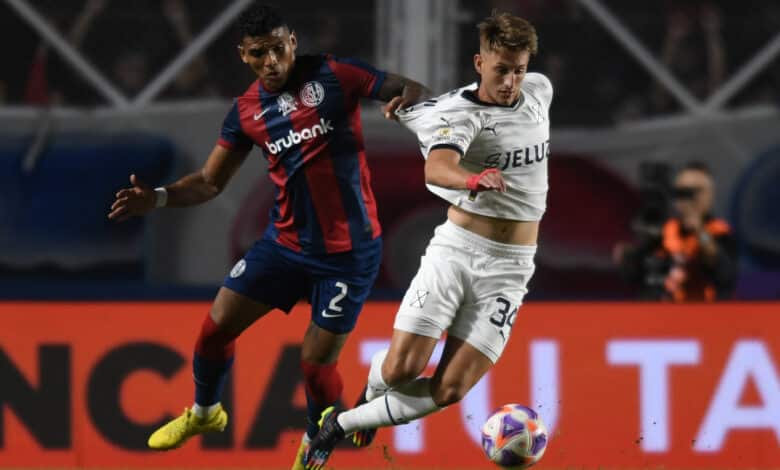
<point x="311" y="135"/>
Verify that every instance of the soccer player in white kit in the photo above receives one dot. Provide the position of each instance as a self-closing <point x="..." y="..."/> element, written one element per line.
<point x="486" y="147"/>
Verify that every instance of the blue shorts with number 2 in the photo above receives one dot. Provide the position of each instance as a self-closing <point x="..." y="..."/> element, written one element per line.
<point x="336" y="285"/>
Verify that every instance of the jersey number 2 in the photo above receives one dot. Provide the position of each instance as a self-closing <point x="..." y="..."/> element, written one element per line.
<point x="334" y="302"/>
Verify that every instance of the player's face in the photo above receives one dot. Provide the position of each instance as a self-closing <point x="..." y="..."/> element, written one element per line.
<point x="501" y="73"/>
<point x="270" y="56"/>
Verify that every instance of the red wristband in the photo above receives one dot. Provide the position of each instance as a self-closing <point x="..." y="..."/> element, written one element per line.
<point x="472" y="183"/>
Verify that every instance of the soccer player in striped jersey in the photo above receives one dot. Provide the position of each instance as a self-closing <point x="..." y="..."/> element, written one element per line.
<point x="323" y="243"/>
<point x="486" y="148"/>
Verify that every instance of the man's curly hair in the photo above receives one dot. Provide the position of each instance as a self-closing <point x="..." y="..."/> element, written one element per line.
<point x="503" y="30"/>
<point x="259" y="20"/>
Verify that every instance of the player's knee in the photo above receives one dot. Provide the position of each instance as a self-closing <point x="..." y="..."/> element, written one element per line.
<point x="445" y="393"/>
<point x="314" y="355"/>
<point x="400" y="370"/>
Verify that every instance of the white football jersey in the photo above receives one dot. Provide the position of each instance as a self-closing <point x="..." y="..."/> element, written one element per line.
<point x="513" y="139"/>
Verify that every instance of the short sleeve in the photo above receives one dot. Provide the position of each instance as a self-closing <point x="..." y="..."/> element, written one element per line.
<point x="441" y="127"/>
<point x="454" y="132"/>
<point x="357" y="76"/>
<point x="232" y="136"/>
<point x="540" y="86"/>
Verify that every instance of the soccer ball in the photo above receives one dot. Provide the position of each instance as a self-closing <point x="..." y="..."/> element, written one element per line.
<point x="514" y="437"/>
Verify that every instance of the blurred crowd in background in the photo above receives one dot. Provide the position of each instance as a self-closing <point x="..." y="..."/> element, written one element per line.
<point x="597" y="82"/>
<point x="130" y="42"/>
<point x="615" y="182"/>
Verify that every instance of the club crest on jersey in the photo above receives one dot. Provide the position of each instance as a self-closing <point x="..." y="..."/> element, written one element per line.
<point x="419" y="299"/>
<point x="238" y="269"/>
<point x="312" y="94"/>
<point x="286" y="104"/>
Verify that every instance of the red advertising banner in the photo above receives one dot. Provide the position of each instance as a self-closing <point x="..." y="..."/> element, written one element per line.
<point x="619" y="385"/>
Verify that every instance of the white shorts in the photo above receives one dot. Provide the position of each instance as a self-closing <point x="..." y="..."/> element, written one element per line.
<point x="469" y="286"/>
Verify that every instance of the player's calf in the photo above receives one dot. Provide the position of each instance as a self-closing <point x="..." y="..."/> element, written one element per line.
<point x="448" y="393"/>
<point x="363" y="438"/>
<point x="323" y="386"/>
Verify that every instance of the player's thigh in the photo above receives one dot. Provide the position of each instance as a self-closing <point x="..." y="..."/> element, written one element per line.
<point x="341" y="285"/>
<point x="321" y="346"/>
<point x="460" y="368"/>
<point x="407" y="358"/>
<point x="435" y="294"/>
<point x="496" y="294"/>
<point x="266" y="276"/>
<point x="336" y="303"/>
<point x="234" y="312"/>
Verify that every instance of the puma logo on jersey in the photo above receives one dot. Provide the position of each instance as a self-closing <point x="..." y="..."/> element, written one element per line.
<point x="295" y="138"/>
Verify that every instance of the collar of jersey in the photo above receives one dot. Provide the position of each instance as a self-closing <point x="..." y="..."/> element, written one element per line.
<point x="471" y="96"/>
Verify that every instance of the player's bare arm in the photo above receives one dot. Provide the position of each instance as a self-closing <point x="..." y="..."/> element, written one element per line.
<point x="442" y="169"/>
<point x="400" y="92"/>
<point x="193" y="189"/>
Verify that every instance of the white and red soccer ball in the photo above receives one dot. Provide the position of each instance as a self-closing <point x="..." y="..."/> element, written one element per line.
<point x="514" y="437"/>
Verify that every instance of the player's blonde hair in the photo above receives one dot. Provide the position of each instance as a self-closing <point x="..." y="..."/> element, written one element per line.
<point x="504" y="30"/>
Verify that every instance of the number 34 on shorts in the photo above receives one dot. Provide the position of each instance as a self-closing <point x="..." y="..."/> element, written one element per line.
<point x="504" y="315"/>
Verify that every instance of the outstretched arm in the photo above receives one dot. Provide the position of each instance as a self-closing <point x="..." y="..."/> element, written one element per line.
<point x="193" y="189"/>
<point x="442" y="168"/>
<point x="400" y="92"/>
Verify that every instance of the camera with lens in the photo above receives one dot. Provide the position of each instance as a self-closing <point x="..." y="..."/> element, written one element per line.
<point x="655" y="196"/>
<point x="643" y="262"/>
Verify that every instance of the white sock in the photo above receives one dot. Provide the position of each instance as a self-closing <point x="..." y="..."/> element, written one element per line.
<point x="376" y="384"/>
<point x="398" y="406"/>
<point x="204" y="411"/>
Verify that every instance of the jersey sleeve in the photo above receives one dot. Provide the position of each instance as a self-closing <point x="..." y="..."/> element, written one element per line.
<point x="441" y="126"/>
<point x="232" y="136"/>
<point x="357" y="76"/>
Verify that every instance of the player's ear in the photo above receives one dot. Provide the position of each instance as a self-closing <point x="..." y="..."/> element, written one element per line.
<point x="293" y="41"/>
<point x="242" y="53"/>
<point x="478" y="63"/>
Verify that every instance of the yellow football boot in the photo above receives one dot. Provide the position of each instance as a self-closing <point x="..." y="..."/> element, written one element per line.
<point x="177" y="431"/>
<point x="298" y="463"/>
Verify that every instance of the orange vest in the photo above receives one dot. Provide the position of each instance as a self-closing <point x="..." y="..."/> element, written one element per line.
<point x="687" y="280"/>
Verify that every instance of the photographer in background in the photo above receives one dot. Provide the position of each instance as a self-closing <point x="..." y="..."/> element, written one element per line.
<point x="688" y="255"/>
